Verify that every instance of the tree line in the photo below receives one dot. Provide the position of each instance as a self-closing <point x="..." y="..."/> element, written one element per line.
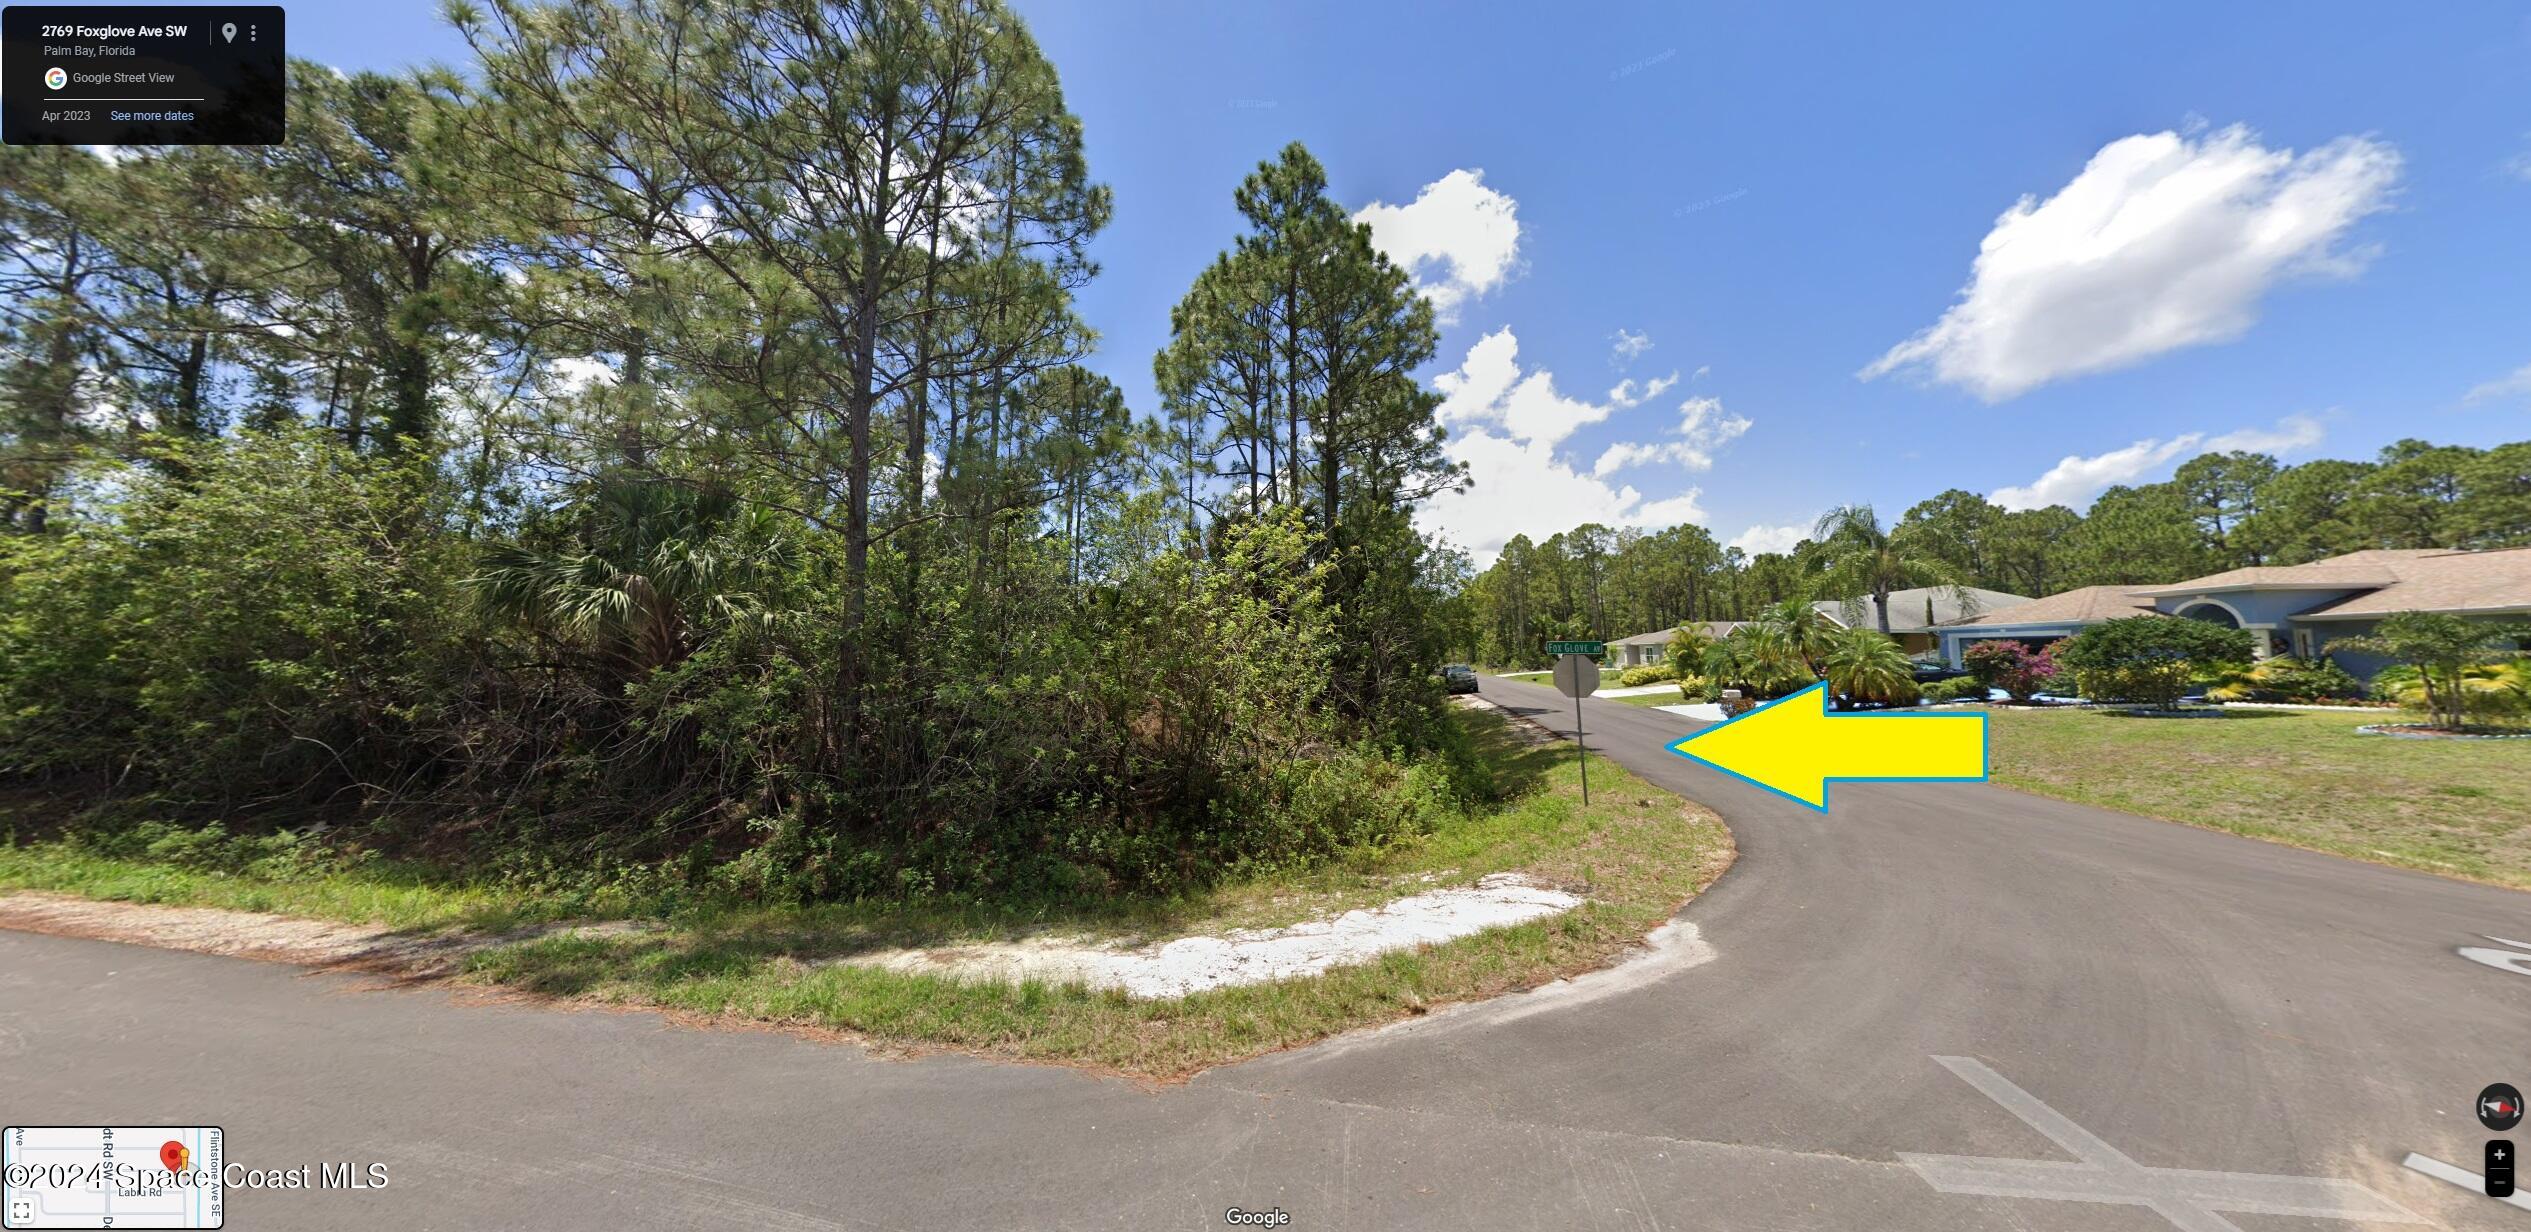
<point x="2218" y="511"/>
<point x="670" y="437"/>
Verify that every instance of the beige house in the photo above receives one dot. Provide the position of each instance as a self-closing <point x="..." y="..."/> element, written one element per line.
<point x="2288" y="609"/>
<point x="1913" y="617"/>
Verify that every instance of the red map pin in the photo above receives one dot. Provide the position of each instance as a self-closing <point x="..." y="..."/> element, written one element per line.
<point x="175" y="1156"/>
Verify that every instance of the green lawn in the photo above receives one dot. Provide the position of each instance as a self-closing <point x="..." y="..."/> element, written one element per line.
<point x="1637" y="853"/>
<point x="2457" y="807"/>
<point x="1671" y="698"/>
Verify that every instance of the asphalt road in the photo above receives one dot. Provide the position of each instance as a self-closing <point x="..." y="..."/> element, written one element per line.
<point x="2141" y="1006"/>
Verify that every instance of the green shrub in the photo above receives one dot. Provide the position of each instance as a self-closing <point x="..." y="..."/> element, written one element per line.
<point x="264" y="616"/>
<point x="2148" y="660"/>
<point x="1955" y="689"/>
<point x="2283" y="680"/>
<point x="1654" y="673"/>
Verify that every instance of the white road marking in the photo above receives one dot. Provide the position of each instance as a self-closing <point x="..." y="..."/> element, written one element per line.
<point x="2463" y="1177"/>
<point x="2502" y="960"/>
<point x="2185" y="1197"/>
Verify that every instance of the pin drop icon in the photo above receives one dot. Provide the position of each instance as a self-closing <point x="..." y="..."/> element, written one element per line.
<point x="228" y="30"/>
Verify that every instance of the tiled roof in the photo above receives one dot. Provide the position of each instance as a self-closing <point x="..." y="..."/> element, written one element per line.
<point x="1661" y="637"/>
<point x="1907" y="607"/>
<point x="2497" y="581"/>
<point x="2318" y="575"/>
<point x="2081" y="605"/>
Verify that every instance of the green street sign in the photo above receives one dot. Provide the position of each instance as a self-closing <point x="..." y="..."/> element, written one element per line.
<point x="1582" y="648"/>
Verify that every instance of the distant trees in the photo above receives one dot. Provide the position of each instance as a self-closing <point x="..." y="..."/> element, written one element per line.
<point x="2219" y="511"/>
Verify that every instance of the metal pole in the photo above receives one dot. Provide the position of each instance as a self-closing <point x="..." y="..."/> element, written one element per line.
<point x="1584" y="749"/>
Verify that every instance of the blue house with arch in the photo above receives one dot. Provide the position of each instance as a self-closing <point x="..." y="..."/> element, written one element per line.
<point x="2288" y="609"/>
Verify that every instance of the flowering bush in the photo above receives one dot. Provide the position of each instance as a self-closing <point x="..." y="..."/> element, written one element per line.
<point x="2012" y="667"/>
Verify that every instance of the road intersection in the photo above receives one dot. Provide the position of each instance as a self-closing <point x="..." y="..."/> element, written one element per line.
<point x="1873" y="1006"/>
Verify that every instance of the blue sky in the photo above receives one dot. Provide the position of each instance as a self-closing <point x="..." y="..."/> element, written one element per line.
<point x="2301" y="229"/>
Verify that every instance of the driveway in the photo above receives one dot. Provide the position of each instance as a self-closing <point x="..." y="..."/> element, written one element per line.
<point x="2066" y="1001"/>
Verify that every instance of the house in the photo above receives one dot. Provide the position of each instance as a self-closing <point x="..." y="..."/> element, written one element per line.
<point x="2288" y="609"/>
<point x="1915" y="614"/>
<point x="2038" y="622"/>
<point x="1648" y="649"/>
<point x="1913" y="618"/>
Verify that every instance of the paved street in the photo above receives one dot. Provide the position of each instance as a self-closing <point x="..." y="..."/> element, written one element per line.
<point x="1934" y="985"/>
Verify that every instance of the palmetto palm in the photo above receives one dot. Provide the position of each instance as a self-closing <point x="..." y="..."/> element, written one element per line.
<point x="654" y="559"/>
<point x="1860" y="558"/>
<point x="1868" y="666"/>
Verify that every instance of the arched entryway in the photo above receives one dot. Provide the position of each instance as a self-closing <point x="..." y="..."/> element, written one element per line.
<point x="2212" y="611"/>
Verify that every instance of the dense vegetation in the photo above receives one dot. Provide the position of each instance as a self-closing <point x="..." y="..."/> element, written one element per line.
<point x="664" y="444"/>
<point x="2219" y="511"/>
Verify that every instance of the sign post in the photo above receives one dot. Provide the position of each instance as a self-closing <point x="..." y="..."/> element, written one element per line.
<point x="1577" y="677"/>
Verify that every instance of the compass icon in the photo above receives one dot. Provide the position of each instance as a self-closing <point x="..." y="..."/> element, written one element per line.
<point x="2500" y="1106"/>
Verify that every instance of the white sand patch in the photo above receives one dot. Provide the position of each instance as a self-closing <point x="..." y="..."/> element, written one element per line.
<point x="1245" y="956"/>
<point x="1710" y="712"/>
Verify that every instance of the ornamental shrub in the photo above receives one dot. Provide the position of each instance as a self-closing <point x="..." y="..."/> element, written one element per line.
<point x="2147" y="660"/>
<point x="2285" y="680"/>
<point x="1957" y="688"/>
<point x="2012" y="667"/>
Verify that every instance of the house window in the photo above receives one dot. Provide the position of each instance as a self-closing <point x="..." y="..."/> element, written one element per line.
<point x="2306" y="647"/>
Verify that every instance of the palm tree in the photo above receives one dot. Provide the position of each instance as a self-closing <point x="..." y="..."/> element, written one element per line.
<point x="1688" y="644"/>
<point x="651" y="560"/>
<point x="1757" y="659"/>
<point x="1868" y="666"/>
<point x="1860" y="558"/>
<point x="1804" y="628"/>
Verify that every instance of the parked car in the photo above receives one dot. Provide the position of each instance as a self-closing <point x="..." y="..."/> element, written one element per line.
<point x="1927" y="673"/>
<point x="1459" y="678"/>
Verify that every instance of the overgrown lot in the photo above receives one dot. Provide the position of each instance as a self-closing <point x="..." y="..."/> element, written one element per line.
<point x="1637" y="853"/>
<point x="2457" y="807"/>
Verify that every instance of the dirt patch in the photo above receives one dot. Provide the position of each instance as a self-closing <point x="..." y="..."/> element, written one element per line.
<point x="273" y="938"/>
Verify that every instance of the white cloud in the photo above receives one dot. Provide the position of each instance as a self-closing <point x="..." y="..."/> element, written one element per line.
<point x="1628" y="394"/>
<point x="2514" y="384"/>
<point x="2162" y="241"/>
<point x="1629" y="347"/>
<point x="1507" y="424"/>
<point x="1704" y="427"/>
<point x="2076" y="479"/>
<point x="1763" y="538"/>
<point x="1489" y="388"/>
<point x="1457" y="237"/>
<point x="1701" y="371"/>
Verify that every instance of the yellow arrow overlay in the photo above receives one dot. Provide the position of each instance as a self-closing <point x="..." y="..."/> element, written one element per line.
<point x="1794" y="747"/>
